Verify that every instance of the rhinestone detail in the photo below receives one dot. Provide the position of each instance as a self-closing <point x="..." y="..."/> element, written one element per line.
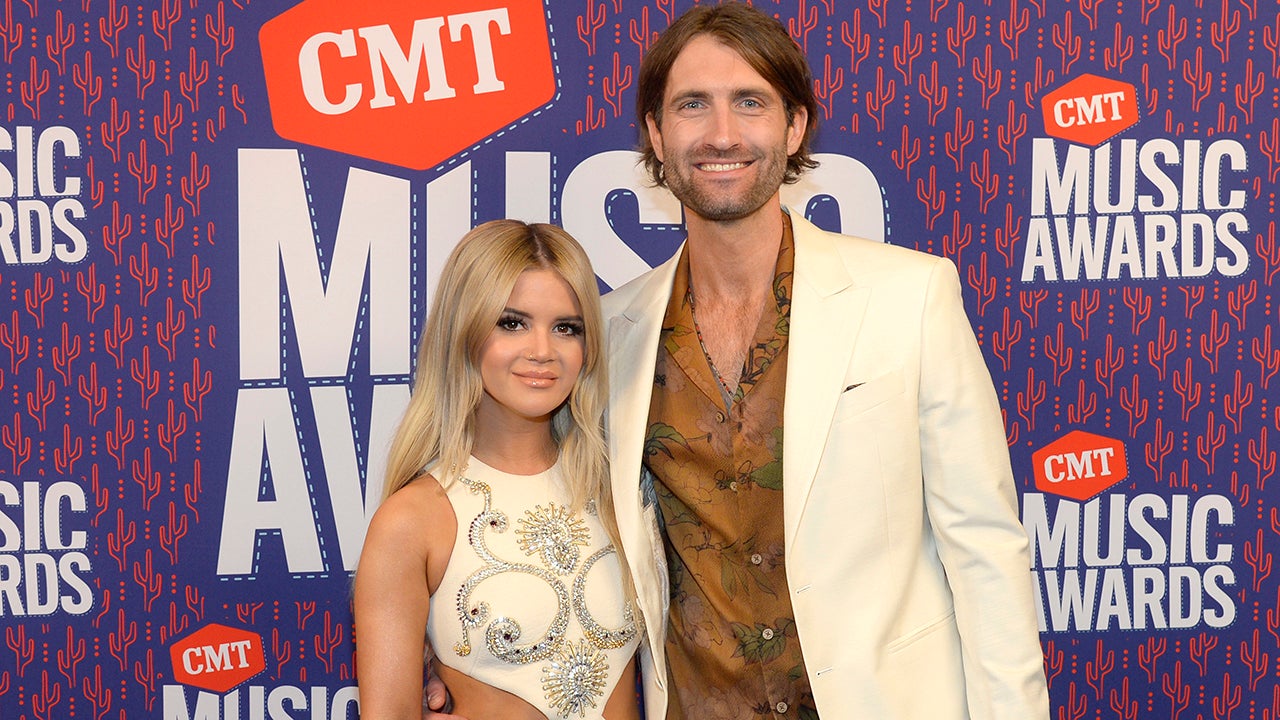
<point x="555" y="534"/>
<point x="575" y="679"/>
<point x="601" y="637"/>
<point x="502" y="634"/>
<point x="574" y="674"/>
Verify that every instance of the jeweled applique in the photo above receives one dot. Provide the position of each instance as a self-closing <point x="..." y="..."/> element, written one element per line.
<point x="556" y="534"/>
<point x="503" y="634"/>
<point x="575" y="679"/>
<point x="602" y="637"/>
<point x="574" y="673"/>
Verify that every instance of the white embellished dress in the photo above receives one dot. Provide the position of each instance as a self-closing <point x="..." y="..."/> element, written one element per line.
<point x="531" y="601"/>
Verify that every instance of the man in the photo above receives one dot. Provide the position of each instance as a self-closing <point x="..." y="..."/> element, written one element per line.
<point x="825" y="520"/>
<point x="809" y="464"/>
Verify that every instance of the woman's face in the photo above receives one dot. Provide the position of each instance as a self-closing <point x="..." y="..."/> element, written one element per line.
<point x="532" y="357"/>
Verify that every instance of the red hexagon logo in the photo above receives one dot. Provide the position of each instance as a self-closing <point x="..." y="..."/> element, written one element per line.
<point x="1079" y="465"/>
<point x="1089" y="110"/>
<point x="217" y="657"/>
<point x="402" y="81"/>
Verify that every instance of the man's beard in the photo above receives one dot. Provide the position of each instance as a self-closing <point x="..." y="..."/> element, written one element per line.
<point x="711" y="203"/>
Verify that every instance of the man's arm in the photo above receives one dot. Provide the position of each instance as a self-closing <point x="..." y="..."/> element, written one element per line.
<point x="972" y="505"/>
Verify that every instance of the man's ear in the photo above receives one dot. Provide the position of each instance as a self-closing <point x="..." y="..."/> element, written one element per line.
<point x="796" y="128"/>
<point x="655" y="134"/>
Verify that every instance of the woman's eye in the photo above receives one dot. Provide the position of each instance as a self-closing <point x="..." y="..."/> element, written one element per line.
<point x="569" y="329"/>
<point x="510" y="323"/>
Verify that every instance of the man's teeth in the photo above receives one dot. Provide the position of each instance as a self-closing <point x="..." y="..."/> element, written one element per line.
<point x="722" y="167"/>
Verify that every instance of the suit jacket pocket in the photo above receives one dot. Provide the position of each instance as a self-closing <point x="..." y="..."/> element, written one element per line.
<point x="860" y="396"/>
<point x="945" y="625"/>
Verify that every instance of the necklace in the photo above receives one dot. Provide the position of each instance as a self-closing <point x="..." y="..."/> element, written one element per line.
<point x="693" y="312"/>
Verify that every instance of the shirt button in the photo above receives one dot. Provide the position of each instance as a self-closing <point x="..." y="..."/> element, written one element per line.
<point x="780" y="707"/>
<point x="768" y="635"/>
<point x="756" y="559"/>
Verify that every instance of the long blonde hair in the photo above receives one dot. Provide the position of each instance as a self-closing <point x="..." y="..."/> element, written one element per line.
<point x="438" y="427"/>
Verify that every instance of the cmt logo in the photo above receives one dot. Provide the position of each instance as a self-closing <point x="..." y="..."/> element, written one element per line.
<point x="405" y="82"/>
<point x="217" y="657"/>
<point x="1089" y="110"/>
<point x="1079" y="465"/>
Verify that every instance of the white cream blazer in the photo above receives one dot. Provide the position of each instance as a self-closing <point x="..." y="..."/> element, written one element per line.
<point x="907" y="563"/>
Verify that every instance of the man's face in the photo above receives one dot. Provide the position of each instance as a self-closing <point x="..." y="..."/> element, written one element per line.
<point x="725" y="135"/>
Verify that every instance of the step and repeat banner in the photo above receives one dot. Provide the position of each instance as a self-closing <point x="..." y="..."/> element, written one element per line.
<point x="221" y="220"/>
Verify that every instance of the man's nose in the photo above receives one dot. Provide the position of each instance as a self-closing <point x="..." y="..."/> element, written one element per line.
<point x="724" y="131"/>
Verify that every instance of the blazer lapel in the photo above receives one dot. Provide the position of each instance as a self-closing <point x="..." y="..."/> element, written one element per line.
<point x="633" y="354"/>
<point x="827" y="310"/>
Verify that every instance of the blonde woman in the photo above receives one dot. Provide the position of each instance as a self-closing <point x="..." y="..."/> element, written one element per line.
<point x="495" y="540"/>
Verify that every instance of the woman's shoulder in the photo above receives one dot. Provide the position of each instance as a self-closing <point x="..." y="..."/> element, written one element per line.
<point x="411" y="513"/>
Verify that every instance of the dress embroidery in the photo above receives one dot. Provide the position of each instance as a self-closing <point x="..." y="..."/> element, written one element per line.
<point x="575" y="679"/>
<point x="556" y="534"/>
<point x="600" y="636"/>
<point x="503" y="633"/>
<point x="575" y="675"/>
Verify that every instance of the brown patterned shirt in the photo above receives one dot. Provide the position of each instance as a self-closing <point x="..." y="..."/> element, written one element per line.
<point x="717" y="460"/>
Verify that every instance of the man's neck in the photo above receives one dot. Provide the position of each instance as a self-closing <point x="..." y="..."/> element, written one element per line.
<point x="731" y="270"/>
<point x="735" y="258"/>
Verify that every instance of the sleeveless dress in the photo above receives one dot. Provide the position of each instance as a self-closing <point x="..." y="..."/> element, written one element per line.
<point x="531" y="601"/>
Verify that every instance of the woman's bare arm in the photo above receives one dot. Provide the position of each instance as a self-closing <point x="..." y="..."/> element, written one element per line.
<point x="406" y="550"/>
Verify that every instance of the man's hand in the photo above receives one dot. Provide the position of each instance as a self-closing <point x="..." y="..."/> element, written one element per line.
<point x="436" y="702"/>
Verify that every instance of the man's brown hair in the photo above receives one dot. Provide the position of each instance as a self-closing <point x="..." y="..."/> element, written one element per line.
<point x="761" y="41"/>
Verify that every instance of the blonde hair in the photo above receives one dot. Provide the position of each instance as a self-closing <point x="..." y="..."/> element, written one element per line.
<point x="438" y="427"/>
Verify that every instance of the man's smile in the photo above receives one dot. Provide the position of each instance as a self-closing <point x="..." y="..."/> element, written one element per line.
<point x="722" y="167"/>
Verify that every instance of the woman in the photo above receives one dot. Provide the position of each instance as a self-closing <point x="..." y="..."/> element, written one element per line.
<point x="495" y="540"/>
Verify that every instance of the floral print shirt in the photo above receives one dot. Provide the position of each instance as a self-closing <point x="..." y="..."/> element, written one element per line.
<point x="716" y="457"/>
